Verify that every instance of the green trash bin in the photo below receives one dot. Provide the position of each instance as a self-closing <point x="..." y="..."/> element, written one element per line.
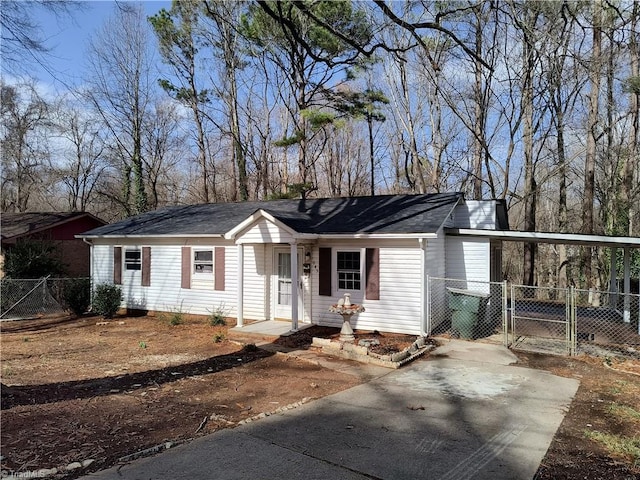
<point x="465" y="305"/>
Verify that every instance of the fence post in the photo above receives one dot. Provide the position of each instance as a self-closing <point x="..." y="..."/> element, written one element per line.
<point x="571" y="321"/>
<point x="427" y="306"/>
<point x="513" y="317"/>
<point x="505" y="315"/>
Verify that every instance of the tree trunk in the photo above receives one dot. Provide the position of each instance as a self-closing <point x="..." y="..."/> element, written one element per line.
<point x="592" y="137"/>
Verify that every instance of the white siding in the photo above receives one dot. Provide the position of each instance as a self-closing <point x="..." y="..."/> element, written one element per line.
<point x="263" y="231"/>
<point x="255" y="282"/>
<point x="102" y="264"/>
<point x="475" y="214"/>
<point x="400" y="306"/>
<point x="164" y="293"/>
<point x="468" y="259"/>
<point x="436" y="256"/>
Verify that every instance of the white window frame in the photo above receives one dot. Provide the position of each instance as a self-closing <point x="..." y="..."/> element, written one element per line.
<point x="335" y="273"/>
<point x="205" y="279"/>
<point x="135" y="261"/>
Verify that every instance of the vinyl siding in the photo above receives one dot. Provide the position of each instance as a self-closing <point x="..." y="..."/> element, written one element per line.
<point x="399" y="308"/>
<point x="164" y="292"/>
<point x="475" y="214"/>
<point x="255" y="282"/>
<point x="468" y="259"/>
<point x="264" y="231"/>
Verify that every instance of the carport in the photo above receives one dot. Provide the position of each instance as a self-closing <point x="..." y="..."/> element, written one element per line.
<point x="576" y="239"/>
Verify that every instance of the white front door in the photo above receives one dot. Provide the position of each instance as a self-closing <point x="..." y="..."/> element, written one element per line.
<point x="282" y="281"/>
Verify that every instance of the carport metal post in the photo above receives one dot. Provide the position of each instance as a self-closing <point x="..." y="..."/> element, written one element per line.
<point x="627" y="285"/>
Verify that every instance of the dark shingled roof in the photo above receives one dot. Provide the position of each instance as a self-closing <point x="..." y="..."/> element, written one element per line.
<point x="395" y="214"/>
<point x="18" y="224"/>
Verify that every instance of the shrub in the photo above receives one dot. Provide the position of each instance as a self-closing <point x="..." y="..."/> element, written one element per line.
<point x="107" y="299"/>
<point x="77" y="295"/>
<point x="33" y="259"/>
<point x="173" y="316"/>
<point x="218" y="337"/>
<point x="217" y="318"/>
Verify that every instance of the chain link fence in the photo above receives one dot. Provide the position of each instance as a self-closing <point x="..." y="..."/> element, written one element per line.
<point x="466" y="309"/>
<point x="560" y="321"/>
<point x="607" y="324"/>
<point x="33" y="298"/>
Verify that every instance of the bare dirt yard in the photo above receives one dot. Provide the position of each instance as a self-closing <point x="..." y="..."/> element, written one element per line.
<point x="81" y="390"/>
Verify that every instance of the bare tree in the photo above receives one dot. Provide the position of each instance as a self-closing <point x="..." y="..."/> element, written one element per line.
<point x="22" y="41"/>
<point x="163" y="150"/>
<point x="119" y="88"/>
<point x="593" y="134"/>
<point x="80" y="162"/>
<point x="24" y="116"/>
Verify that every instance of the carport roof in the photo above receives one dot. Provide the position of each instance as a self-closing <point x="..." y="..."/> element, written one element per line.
<point x="551" y="237"/>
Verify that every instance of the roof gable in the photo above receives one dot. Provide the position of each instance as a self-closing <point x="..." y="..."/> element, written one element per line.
<point x="383" y="214"/>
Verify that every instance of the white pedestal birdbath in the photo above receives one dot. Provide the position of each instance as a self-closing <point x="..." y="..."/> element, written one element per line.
<point x="345" y="308"/>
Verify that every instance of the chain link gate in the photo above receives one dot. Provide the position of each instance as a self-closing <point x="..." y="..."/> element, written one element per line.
<point x="542" y="319"/>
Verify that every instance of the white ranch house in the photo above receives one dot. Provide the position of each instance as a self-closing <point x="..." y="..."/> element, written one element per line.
<point x="292" y="259"/>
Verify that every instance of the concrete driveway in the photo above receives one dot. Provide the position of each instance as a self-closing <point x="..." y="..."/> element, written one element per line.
<point x="463" y="413"/>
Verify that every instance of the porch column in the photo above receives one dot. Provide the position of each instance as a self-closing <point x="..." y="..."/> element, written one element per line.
<point x="613" y="276"/>
<point x="240" y="315"/>
<point x="294" y="286"/>
<point x="626" y="316"/>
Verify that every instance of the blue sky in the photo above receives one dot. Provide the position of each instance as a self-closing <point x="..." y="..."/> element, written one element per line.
<point x="68" y="38"/>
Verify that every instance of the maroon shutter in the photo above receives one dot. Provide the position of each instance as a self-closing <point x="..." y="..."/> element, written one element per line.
<point x="219" y="266"/>
<point x="186" y="268"/>
<point x="117" y="265"/>
<point x="146" y="266"/>
<point x="324" y="272"/>
<point x="372" y="274"/>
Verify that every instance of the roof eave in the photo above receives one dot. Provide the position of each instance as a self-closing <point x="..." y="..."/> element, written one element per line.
<point x="171" y="235"/>
<point x="549" y="237"/>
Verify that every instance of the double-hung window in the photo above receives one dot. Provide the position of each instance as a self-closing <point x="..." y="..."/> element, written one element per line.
<point x="132" y="259"/>
<point x="349" y="269"/>
<point x="203" y="263"/>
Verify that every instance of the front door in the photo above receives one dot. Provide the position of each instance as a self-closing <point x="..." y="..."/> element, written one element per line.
<point x="282" y="287"/>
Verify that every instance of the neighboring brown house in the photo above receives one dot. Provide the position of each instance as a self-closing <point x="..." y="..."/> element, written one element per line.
<point x="60" y="228"/>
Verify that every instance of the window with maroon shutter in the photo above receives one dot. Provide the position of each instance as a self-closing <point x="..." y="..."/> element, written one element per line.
<point x="372" y="269"/>
<point x="146" y="266"/>
<point x="186" y="268"/>
<point x="324" y="272"/>
<point x="219" y="270"/>
<point x="117" y="265"/>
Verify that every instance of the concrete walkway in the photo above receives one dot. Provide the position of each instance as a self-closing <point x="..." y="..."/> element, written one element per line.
<point x="463" y="413"/>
